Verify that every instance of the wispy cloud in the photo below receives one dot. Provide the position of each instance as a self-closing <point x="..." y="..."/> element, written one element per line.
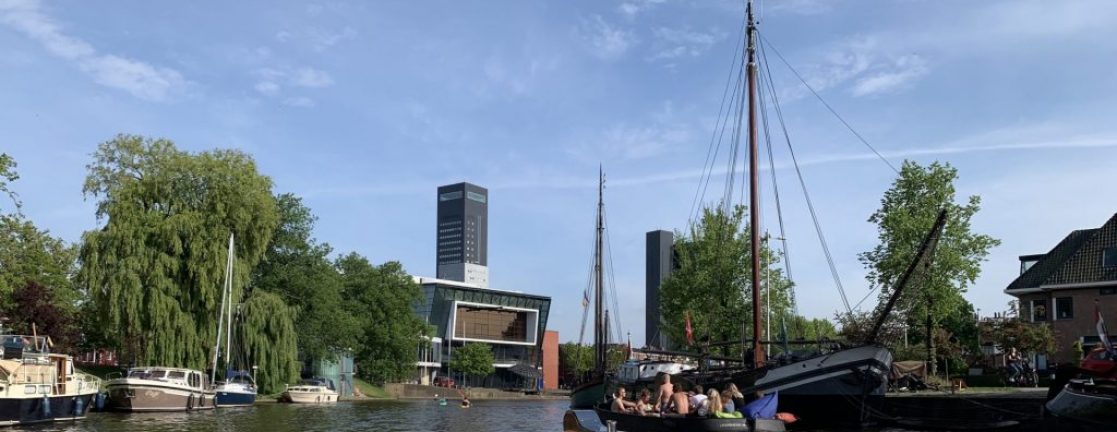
<point x="672" y="43"/>
<point x="801" y="7"/>
<point x="301" y="102"/>
<point x="606" y="41"/>
<point x="141" y="79"/>
<point x="904" y="70"/>
<point x="317" y="39"/>
<point x="271" y="81"/>
<point x="632" y="8"/>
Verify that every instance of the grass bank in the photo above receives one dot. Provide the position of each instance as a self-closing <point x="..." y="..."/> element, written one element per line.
<point x="369" y="390"/>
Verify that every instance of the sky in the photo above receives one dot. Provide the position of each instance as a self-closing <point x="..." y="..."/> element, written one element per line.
<point x="364" y="108"/>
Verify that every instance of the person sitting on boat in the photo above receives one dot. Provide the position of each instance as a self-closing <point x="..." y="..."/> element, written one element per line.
<point x="620" y="404"/>
<point x="713" y="403"/>
<point x="698" y="401"/>
<point x="680" y="402"/>
<point x="732" y="399"/>
<point x="664" y="391"/>
<point x="465" y="402"/>
<point x="644" y="405"/>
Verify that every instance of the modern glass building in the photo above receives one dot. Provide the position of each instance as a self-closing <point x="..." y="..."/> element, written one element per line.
<point x="462" y="234"/>
<point x="512" y="323"/>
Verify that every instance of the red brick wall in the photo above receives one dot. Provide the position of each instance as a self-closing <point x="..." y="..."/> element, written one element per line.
<point x="1068" y="331"/>
<point x="550" y="360"/>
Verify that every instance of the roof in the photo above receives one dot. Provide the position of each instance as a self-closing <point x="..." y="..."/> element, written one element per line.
<point x="421" y="280"/>
<point x="1075" y="260"/>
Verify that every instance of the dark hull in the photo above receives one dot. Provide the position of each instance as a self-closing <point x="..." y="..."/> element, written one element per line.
<point x="234" y="399"/>
<point x="1079" y="403"/>
<point x="636" y="423"/>
<point x="15" y="411"/>
<point x="588" y="395"/>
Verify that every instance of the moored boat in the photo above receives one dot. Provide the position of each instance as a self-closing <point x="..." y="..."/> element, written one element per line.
<point x="238" y="389"/>
<point x="310" y="391"/>
<point x="158" y="388"/>
<point x="37" y="386"/>
<point x="1086" y="400"/>
<point x="690" y="423"/>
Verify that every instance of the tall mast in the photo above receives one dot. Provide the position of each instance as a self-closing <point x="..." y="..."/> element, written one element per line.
<point x="229" y="317"/>
<point x="221" y="316"/>
<point x="754" y="193"/>
<point x="600" y="331"/>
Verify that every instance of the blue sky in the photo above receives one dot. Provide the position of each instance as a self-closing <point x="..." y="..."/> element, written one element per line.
<point x="364" y="108"/>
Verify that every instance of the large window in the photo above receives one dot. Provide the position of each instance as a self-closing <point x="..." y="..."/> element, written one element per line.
<point x="476" y="197"/>
<point x="1064" y="308"/>
<point x="450" y="196"/>
<point x="1039" y="310"/>
<point x="491" y="324"/>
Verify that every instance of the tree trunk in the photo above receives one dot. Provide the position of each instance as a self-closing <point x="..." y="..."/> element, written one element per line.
<point x="931" y="363"/>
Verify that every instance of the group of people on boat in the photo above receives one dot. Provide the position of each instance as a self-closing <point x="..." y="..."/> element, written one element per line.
<point x="671" y="399"/>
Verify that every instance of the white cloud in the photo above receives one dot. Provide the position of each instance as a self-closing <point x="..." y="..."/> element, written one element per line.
<point x="267" y="88"/>
<point x="632" y="8"/>
<point x="301" y="102"/>
<point x="801" y="7"/>
<point x="674" y="43"/>
<point x="139" y="78"/>
<point x="606" y="41"/>
<point x="310" y="77"/>
<point x="321" y="40"/>
<point x="906" y="69"/>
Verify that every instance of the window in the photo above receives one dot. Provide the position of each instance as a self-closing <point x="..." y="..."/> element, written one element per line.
<point x="1108" y="291"/>
<point x="474" y="196"/>
<point x="1064" y="308"/>
<point x="1109" y="257"/>
<point x="1039" y="311"/>
<point x="450" y="196"/>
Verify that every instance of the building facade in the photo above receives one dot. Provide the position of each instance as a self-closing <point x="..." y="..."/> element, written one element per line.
<point x="462" y="232"/>
<point x="658" y="265"/>
<point x="512" y="323"/>
<point x="1062" y="287"/>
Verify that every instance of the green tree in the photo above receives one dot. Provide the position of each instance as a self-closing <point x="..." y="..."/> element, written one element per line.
<point x="908" y="210"/>
<point x="712" y="280"/>
<point x="265" y="337"/>
<point x="298" y="269"/>
<point x="8" y="174"/>
<point x="383" y="298"/>
<point x="473" y="359"/>
<point x="155" y="268"/>
<point x="575" y="360"/>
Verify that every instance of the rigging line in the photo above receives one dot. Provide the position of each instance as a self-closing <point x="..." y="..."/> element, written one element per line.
<point x="589" y="283"/>
<point x="827" y="105"/>
<point x="734" y="151"/>
<point x="711" y="150"/>
<point x="612" y="278"/>
<point x="776" y="188"/>
<point x="803" y="186"/>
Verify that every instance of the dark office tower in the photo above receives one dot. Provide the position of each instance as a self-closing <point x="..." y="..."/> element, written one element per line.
<point x="660" y="262"/>
<point x="463" y="233"/>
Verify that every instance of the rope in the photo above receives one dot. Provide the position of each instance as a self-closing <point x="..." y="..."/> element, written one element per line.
<point x="824" y="103"/>
<point x="803" y="185"/>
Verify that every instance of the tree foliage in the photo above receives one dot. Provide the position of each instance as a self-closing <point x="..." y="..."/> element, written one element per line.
<point x="155" y="269"/>
<point x="473" y="359"/>
<point x="712" y="280"/>
<point x="37" y="308"/>
<point x="8" y="174"/>
<point x="383" y="298"/>
<point x="266" y="338"/>
<point x="298" y="269"/>
<point x="907" y="212"/>
<point x="574" y="359"/>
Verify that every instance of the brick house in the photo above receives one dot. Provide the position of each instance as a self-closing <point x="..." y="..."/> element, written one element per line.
<point x="1060" y="287"/>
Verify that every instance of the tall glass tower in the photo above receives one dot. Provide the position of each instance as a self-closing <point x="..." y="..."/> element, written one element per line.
<point x="463" y="234"/>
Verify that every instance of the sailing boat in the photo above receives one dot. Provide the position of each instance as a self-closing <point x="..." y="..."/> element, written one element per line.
<point x="592" y="392"/>
<point x="239" y="388"/>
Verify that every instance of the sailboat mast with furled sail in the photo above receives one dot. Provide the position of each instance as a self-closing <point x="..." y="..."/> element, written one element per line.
<point x="592" y="392"/>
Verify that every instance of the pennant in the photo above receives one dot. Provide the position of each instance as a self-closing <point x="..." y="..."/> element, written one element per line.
<point x="689" y="330"/>
<point x="1103" y="334"/>
<point x="586" y="298"/>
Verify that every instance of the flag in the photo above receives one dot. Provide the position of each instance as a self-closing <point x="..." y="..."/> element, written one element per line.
<point x="586" y="298"/>
<point x="689" y="330"/>
<point x="1103" y="334"/>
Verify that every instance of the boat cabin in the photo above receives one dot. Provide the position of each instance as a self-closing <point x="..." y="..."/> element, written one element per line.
<point x="183" y="377"/>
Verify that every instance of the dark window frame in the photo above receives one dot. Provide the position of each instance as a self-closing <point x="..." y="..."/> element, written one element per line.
<point x="1038" y="305"/>
<point x="1109" y="257"/>
<point x="1058" y="308"/>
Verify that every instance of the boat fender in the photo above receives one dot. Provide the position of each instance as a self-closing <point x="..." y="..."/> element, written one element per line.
<point x="46" y="406"/>
<point x="99" y="401"/>
<point x="318" y="399"/>
<point x="79" y="406"/>
<point x="190" y="402"/>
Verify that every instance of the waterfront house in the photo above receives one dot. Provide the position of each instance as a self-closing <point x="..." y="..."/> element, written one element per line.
<point x="1060" y="288"/>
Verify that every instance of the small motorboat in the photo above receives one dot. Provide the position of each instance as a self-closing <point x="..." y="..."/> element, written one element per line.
<point x="310" y="391"/>
<point x="1086" y="400"/>
<point x="157" y="388"/>
<point x="238" y="390"/>
<point x="37" y="386"/>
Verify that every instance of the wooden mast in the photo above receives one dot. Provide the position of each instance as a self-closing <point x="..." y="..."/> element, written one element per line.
<point x="600" y="331"/>
<point x="754" y="192"/>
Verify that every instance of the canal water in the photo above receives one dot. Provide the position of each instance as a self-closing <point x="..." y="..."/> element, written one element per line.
<point x="388" y="416"/>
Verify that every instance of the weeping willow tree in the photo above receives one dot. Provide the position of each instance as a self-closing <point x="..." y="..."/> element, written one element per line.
<point x="155" y="269"/>
<point x="266" y="338"/>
